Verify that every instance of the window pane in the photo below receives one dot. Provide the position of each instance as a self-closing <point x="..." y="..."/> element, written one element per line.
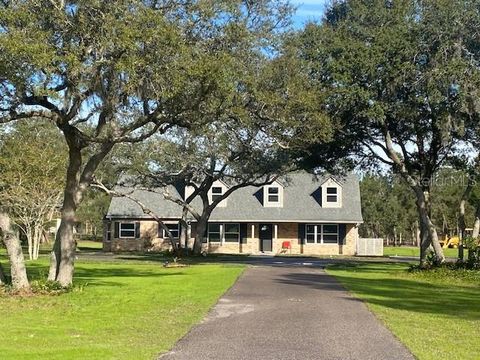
<point x="217" y="190"/>
<point x="230" y="237"/>
<point x="310" y="229"/>
<point x="330" y="239"/>
<point x="127" y="230"/>
<point x="127" y="233"/>
<point x="273" y="190"/>
<point x="127" y="226"/>
<point x="310" y="238"/>
<point x="272" y="198"/>
<point x="215" y="197"/>
<point x="232" y="228"/>
<point x="174" y="233"/>
<point x="214" y="228"/>
<point x="330" y="229"/>
<point x="214" y="237"/>
<point x="331" y="198"/>
<point x="331" y="190"/>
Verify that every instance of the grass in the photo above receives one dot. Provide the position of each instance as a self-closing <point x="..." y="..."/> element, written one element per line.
<point x="122" y="310"/>
<point x="436" y="314"/>
<point x="415" y="251"/>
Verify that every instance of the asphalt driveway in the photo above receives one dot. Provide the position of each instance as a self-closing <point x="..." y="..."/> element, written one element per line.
<point x="288" y="312"/>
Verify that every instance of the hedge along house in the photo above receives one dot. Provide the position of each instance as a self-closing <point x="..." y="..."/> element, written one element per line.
<point x="298" y="214"/>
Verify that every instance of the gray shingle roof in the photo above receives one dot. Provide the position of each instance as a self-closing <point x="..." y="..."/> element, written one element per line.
<point x="300" y="204"/>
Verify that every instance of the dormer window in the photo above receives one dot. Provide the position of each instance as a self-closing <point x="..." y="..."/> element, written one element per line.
<point x="331" y="191"/>
<point x="332" y="194"/>
<point x="217" y="192"/>
<point x="273" y="195"/>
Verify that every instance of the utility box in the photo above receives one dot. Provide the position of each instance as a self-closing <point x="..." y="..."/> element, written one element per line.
<point x="369" y="247"/>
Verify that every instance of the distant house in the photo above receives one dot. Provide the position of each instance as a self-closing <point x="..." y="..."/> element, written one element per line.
<point x="298" y="214"/>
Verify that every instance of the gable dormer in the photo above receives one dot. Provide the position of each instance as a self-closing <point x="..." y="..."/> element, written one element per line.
<point x="218" y="189"/>
<point x="332" y="193"/>
<point x="273" y="195"/>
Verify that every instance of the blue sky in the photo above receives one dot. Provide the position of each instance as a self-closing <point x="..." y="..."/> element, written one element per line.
<point x="308" y="10"/>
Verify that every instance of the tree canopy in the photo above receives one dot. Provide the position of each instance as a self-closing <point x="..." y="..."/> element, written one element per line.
<point x="402" y="80"/>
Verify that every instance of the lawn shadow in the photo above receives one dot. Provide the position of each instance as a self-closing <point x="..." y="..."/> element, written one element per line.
<point x="398" y="293"/>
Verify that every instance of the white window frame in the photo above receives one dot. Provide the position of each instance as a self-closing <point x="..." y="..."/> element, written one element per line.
<point x="318" y="234"/>
<point x="120" y="236"/>
<point x="216" y="194"/>
<point x="225" y="232"/>
<point x="165" y="235"/>
<point x="220" y="185"/>
<point x="277" y="194"/>
<point x="109" y="231"/>
<point x="332" y="195"/>
<point x="222" y="234"/>
<point x="310" y="233"/>
<point x="331" y="183"/>
<point x="337" y="234"/>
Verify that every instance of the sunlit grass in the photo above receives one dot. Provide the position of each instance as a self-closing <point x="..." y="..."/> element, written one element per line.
<point x="435" y="314"/>
<point x="122" y="310"/>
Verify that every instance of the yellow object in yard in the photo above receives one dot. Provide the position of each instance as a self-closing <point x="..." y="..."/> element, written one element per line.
<point x="453" y="242"/>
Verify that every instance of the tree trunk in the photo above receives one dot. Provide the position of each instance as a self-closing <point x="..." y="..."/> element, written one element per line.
<point x="63" y="254"/>
<point x="3" y="278"/>
<point x="37" y="237"/>
<point x="184" y="230"/>
<point x="29" y="235"/>
<point x="202" y="225"/>
<point x="461" y="217"/>
<point x="428" y="232"/>
<point x="476" y="224"/>
<point x="18" y="272"/>
<point x="417" y="234"/>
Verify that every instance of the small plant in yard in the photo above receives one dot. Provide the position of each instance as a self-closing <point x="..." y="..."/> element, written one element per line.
<point x="473" y="261"/>
<point x="47" y="287"/>
<point x="453" y="271"/>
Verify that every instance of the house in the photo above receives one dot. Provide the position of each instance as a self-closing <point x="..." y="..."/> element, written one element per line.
<point x="298" y="214"/>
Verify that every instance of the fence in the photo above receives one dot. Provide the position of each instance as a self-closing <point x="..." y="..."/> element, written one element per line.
<point x="370" y="247"/>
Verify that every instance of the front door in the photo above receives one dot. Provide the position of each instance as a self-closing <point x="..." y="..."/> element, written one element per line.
<point x="266" y="238"/>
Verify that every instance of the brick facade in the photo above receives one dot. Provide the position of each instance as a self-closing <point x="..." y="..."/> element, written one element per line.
<point x="149" y="241"/>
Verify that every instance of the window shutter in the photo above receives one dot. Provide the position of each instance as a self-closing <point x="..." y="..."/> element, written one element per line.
<point x="159" y="231"/>
<point x="301" y="233"/>
<point x="342" y="233"/>
<point x="243" y="233"/>
<point x="116" y="232"/>
<point x="137" y="230"/>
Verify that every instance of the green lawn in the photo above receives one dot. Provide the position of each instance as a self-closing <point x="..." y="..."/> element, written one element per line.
<point x="125" y="310"/>
<point x="414" y="251"/>
<point x="435" y="314"/>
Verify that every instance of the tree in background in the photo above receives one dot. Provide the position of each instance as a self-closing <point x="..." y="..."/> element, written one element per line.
<point x="172" y="63"/>
<point x="32" y="172"/>
<point x="400" y="78"/>
<point x="388" y="209"/>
